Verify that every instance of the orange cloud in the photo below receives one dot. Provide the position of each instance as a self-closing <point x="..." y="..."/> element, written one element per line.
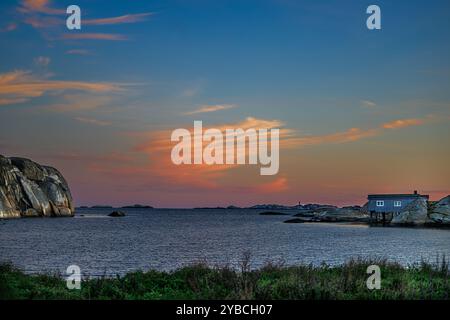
<point x="257" y="123"/>
<point x="402" y="123"/>
<point x="6" y="101"/>
<point x="128" y="18"/>
<point x="21" y="86"/>
<point x="41" y="6"/>
<point x="14" y="76"/>
<point x="350" y="135"/>
<point x="278" y="185"/>
<point x="158" y="147"/>
<point x="94" y="36"/>
<point x="211" y="108"/>
<point x="157" y="167"/>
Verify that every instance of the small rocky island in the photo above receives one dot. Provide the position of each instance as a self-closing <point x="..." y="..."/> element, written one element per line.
<point x="28" y="189"/>
<point x="117" y="214"/>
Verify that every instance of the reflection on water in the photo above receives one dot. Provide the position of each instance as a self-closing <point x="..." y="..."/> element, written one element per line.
<point x="167" y="239"/>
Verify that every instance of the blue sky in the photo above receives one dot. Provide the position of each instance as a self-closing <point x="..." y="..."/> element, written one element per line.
<point x="313" y="65"/>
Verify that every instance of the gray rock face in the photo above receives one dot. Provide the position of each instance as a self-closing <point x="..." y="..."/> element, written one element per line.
<point x="28" y="189"/>
<point x="440" y="212"/>
<point x="416" y="213"/>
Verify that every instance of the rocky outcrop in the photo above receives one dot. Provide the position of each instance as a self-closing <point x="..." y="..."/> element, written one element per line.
<point x="298" y="220"/>
<point x="117" y="214"/>
<point x="343" y="215"/>
<point x="318" y="207"/>
<point x="272" y="213"/>
<point x="415" y="213"/>
<point x="439" y="213"/>
<point x="419" y="213"/>
<point x="332" y="214"/>
<point x="28" y="189"/>
<point x="365" y="208"/>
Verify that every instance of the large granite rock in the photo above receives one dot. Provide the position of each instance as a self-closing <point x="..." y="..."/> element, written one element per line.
<point x="415" y="213"/>
<point x="28" y="189"/>
<point x="365" y="208"/>
<point x="439" y="213"/>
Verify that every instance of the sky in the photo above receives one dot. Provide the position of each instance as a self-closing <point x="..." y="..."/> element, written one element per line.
<point x="360" y="111"/>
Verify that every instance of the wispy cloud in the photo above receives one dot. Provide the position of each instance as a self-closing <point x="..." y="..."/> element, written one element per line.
<point x="49" y="19"/>
<point x="368" y="103"/>
<point x="352" y="134"/>
<point x="190" y="92"/>
<point x="40" y="6"/>
<point x="81" y="52"/>
<point x="93" y="121"/>
<point x="43" y="22"/>
<point x="7" y="101"/>
<point x="402" y="123"/>
<point x="128" y="18"/>
<point x="278" y="185"/>
<point x="94" y="36"/>
<point x="349" y="135"/>
<point x="211" y="108"/>
<point x="42" y="14"/>
<point x="80" y="102"/>
<point x="193" y="88"/>
<point x="9" y="27"/>
<point x="21" y="86"/>
<point x="42" y="61"/>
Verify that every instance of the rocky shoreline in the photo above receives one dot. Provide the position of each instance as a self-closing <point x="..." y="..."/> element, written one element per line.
<point x="28" y="189"/>
<point x="419" y="213"/>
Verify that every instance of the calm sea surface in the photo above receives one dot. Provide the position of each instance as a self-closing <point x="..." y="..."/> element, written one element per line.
<point x="165" y="239"/>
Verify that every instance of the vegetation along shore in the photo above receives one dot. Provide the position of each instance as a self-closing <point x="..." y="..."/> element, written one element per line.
<point x="272" y="281"/>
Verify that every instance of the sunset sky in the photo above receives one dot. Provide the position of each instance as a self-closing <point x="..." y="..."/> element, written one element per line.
<point x="360" y="111"/>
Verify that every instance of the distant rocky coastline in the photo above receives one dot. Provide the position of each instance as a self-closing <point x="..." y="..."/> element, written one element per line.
<point x="419" y="213"/>
<point x="134" y="206"/>
<point x="28" y="189"/>
<point x="137" y="206"/>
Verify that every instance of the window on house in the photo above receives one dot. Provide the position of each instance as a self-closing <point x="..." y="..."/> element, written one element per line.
<point x="380" y="203"/>
<point x="397" y="203"/>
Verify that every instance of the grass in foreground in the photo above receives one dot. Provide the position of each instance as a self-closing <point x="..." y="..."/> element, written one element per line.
<point x="273" y="281"/>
